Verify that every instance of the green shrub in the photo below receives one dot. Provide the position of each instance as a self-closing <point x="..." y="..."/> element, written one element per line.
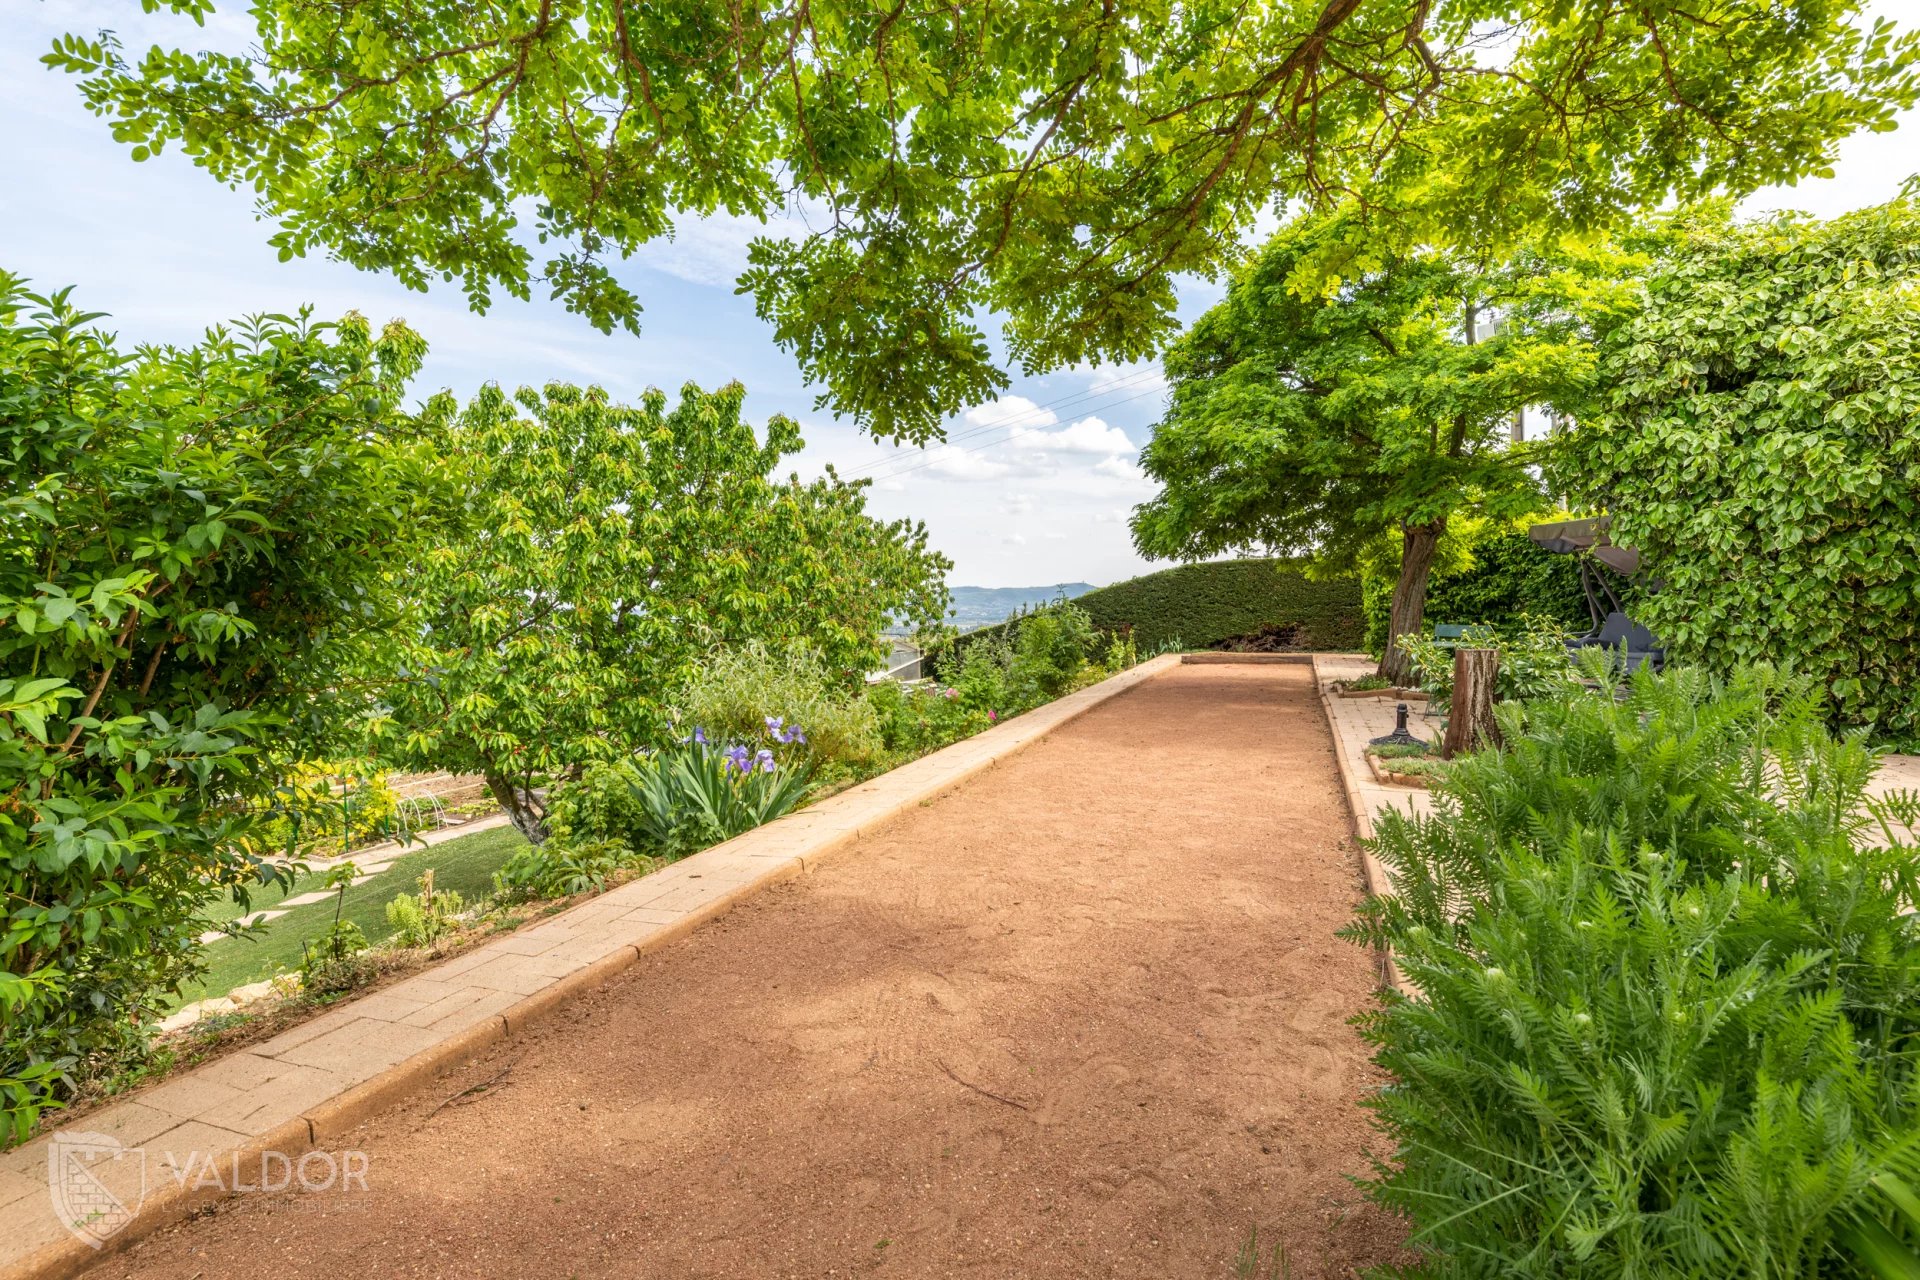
<point x="1207" y="603"/>
<point x="697" y="794"/>
<point x="599" y="806"/>
<point x="421" y="919"/>
<point x="983" y="675"/>
<point x="560" y="868"/>
<point x="1759" y="444"/>
<point x="1668" y="992"/>
<point x="199" y="554"/>
<point x="737" y="691"/>
<point x="1534" y="660"/>
<point x="1510" y="577"/>
<point x="916" y="719"/>
<point x="1050" y="647"/>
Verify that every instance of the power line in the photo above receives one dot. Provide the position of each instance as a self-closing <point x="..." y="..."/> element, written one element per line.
<point x="918" y="466"/>
<point x="1034" y="415"/>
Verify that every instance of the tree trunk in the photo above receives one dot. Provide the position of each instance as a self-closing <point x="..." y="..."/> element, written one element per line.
<point x="1470" y="722"/>
<point x="1417" y="545"/>
<point x="528" y="817"/>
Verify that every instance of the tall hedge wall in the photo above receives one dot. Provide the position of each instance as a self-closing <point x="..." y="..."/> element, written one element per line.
<point x="1201" y="605"/>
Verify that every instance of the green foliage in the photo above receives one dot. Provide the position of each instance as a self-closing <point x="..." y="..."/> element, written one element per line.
<point x="322" y="808"/>
<point x="560" y="868"/>
<point x="695" y="795"/>
<point x="1760" y="447"/>
<point x="1668" y="991"/>
<point x="1051" y="161"/>
<point x="1318" y="423"/>
<point x="421" y="919"/>
<point x="1201" y="605"/>
<point x="916" y="719"/>
<point x="195" y="549"/>
<point x="598" y="806"/>
<point x="737" y="692"/>
<point x="1032" y="658"/>
<point x="1534" y="660"/>
<point x="1506" y="575"/>
<point x="611" y="547"/>
<point x="1051" y="644"/>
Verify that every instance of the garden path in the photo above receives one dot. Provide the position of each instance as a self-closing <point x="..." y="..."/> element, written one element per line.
<point x="1083" y="1015"/>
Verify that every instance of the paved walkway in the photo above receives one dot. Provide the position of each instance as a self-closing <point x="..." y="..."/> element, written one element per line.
<point x="1083" y="1015"/>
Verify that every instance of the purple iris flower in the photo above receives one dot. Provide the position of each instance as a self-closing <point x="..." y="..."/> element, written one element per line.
<point x="700" y="737"/>
<point x="763" y="758"/>
<point x="736" y="758"/>
<point x="773" y="725"/>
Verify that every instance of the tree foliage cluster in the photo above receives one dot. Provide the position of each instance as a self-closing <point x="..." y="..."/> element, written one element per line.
<point x="1758" y="440"/>
<point x="1314" y="421"/>
<point x="608" y="549"/>
<point x="196" y="546"/>
<point x="1054" y="162"/>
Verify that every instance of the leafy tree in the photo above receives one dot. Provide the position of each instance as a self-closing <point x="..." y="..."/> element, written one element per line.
<point x="194" y="552"/>
<point x="609" y="548"/>
<point x="1759" y="443"/>
<point x="1056" y="162"/>
<point x="1310" y="421"/>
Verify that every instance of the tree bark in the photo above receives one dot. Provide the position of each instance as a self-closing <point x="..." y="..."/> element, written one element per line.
<point x="1470" y="722"/>
<point x="1417" y="545"/>
<point x="528" y="817"/>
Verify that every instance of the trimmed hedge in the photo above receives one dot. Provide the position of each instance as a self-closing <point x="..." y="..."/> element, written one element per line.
<point x="1202" y="605"/>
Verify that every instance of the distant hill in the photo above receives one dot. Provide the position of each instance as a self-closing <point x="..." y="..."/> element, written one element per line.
<point x="984" y="606"/>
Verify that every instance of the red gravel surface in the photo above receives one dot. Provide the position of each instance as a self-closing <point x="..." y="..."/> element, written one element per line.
<point x="1083" y="1016"/>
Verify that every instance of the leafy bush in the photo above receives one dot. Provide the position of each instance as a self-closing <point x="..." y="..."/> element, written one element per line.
<point x="1668" y="992"/>
<point x="197" y="546"/>
<point x="1534" y="660"/>
<point x="613" y="546"/>
<point x="1760" y="446"/>
<point x="1051" y="645"/>
<point x="738" y="690"/>
<point x="1509" y="576"/>
<point x="916" y="719"/>
<point x="421" y="919"/>
<point x="320" y="808"/>
<point x="695" y="794"/>
<point x="561" y="867"/>
<point x="599" y="806"/>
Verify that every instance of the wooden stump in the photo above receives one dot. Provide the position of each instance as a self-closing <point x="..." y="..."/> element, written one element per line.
<point x="1470" y="722"/>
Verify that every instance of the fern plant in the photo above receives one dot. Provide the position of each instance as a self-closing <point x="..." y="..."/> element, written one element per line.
<point x="1669" y="988"/>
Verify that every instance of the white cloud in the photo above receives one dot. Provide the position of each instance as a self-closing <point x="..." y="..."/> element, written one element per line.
<point x="713" y="250"/>
<point x="1009" y="411"/>
<point x="1129" y="379"/>
<point x="1089" y="435"/>
<point x="959" y="464"/>
<point x="1015" y="540"/>
<point x="1017" y="504"/>
<point x="1122" y="469"/>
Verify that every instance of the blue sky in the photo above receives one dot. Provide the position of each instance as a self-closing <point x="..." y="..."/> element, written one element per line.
<point x="1034" y="489"/>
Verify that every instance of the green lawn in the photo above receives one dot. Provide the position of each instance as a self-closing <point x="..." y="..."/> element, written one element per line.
<point x="465" y="865"/>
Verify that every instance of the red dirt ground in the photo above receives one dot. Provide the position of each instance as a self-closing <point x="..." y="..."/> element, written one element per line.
<point x="1084" y="1016"/>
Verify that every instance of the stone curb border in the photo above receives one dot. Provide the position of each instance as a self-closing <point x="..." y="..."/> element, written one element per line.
<point x="1345" y="756"/>
<point x="318" y="1080"/>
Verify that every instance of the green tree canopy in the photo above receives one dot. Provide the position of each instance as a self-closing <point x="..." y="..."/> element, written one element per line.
<point x="1057" y="162"/>
<point x="608" y="548"/>
<point x="1308" y="421"/>
<point x="196" y="548"/>
<point x="1759" y="443"/>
